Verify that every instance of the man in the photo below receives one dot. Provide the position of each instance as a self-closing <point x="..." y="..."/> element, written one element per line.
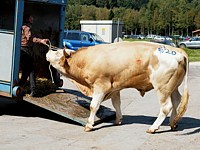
<point x="26" y="60"/>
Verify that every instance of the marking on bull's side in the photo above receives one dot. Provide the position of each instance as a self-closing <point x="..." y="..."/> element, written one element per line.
<point x="162" y="49"/>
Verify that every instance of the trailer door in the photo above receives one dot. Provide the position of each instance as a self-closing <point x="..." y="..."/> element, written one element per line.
<point x="10" y="14"/>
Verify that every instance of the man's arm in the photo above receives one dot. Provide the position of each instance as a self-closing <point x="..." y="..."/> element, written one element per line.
<point x="38" y="40"/>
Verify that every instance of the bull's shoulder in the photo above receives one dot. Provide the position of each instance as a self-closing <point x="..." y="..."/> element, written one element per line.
<point x="84" y="89"/>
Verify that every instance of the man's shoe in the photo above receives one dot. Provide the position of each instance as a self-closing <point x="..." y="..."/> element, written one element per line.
<point x="33" y="94"/>
<point x="22" y="93"/>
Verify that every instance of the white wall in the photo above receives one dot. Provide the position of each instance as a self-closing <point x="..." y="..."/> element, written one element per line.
<point x="6" y="46"/>
<point x="106" y="29"/>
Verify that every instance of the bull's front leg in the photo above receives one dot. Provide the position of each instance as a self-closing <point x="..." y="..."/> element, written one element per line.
<point x="94" y="106"/>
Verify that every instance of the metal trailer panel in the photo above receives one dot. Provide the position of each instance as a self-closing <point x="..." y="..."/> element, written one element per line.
<point x="6" y="56"/>
<point x="9" y="47"/>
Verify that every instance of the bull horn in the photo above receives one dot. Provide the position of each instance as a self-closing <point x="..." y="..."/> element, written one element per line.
<point x="66" y="53"/>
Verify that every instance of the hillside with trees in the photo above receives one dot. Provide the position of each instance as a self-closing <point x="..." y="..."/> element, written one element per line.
<point x="163" y="17"/>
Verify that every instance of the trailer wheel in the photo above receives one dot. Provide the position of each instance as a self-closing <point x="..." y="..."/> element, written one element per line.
<point x="17" y="91"/>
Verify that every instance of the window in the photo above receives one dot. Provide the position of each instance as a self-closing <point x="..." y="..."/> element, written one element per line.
<point x="7" y="11"/>
<point x="84" y="37"/>
<point x="73" y="36"/>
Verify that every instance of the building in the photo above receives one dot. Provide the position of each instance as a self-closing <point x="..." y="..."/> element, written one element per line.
<point x="108" y="30"/>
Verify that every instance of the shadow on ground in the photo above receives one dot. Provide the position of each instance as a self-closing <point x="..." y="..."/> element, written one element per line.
<point x="25" y="109"/>
<point x="184" y="123"/>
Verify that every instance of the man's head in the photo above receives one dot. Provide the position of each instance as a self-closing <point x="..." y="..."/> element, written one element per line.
<point x="28" y="18"/>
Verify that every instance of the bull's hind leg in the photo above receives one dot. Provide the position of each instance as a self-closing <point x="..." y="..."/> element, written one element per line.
<point x="94" y="106"/>
<point x="176" y="98"/>
<point x="166" y="106"/>
<point x="116" y="104"/>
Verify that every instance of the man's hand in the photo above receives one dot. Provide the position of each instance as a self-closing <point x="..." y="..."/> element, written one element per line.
<point x="43" y="41"/>
<point x="38" y="40"/>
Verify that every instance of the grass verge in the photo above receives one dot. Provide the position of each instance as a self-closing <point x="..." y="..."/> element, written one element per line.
<point x="194" y="54"/>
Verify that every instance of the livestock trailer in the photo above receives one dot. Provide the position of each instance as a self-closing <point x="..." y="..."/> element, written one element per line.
<point x="49" y="18"/>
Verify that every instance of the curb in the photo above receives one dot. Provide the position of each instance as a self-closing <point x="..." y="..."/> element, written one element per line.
<point x="194" y="64"/>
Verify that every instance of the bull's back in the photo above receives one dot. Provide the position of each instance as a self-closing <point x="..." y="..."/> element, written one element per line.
<point x="116" y="55"/>
<point x="134" y="56"/>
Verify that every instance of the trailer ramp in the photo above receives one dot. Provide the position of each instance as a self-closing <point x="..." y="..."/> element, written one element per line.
<point x="70" y="104"/>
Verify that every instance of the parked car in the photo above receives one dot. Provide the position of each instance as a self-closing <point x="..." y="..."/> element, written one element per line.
<point x="191" y="43"/>
<point x="75" y="39"/>
<point x="166" y="42"/>
<point x="168" y="38"/>
<point x="186" y="38"/>
<point x="141" y="37"/>
<point x="133" y="36"/>
<point x="150" y="36"/>
<point x="169" y="42"/>
<point x="159" y="38"/>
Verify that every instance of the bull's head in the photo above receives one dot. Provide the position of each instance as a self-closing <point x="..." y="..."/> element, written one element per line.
<point x="58" y="59"/>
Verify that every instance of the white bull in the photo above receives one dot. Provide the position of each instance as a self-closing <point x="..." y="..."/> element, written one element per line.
<point x="102" y="71"/>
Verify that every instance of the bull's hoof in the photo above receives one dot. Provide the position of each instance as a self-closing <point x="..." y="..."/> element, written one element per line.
<point x="151" y="131"/>
<point x="174" y="127"/>
<point x="88" y="129"/>
<point x="118" y="122"/>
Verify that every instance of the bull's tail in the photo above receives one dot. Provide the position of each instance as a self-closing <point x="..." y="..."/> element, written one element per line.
<point x="185" y="97"/>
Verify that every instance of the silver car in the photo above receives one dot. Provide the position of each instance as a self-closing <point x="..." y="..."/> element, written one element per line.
<point x="191" y="43"/>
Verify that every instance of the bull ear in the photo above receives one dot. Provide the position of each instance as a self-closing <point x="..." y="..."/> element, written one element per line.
<point x="63" y="60"/>
<point x="66" y="53"/>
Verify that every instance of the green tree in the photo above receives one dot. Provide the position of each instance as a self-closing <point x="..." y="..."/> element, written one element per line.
<point x="102" y="13"/>
<point x="167" y="17"/>
<point x="112" y="4"/>
<point x="73" y="17"/>
<point x="73" y="2"/>
<point x="143" y="20"/>
<point x="182" y="16"/>
<point x="88" y="12"/>
<point x="131" y="18"/>
<point x="111" y="15"/>
<point x="102" y="3"/>
<point x="88" y="2"/>
<point x="195" y="14"/>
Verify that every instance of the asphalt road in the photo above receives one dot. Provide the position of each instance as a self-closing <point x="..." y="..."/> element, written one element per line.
<point x="24" y="126"/>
